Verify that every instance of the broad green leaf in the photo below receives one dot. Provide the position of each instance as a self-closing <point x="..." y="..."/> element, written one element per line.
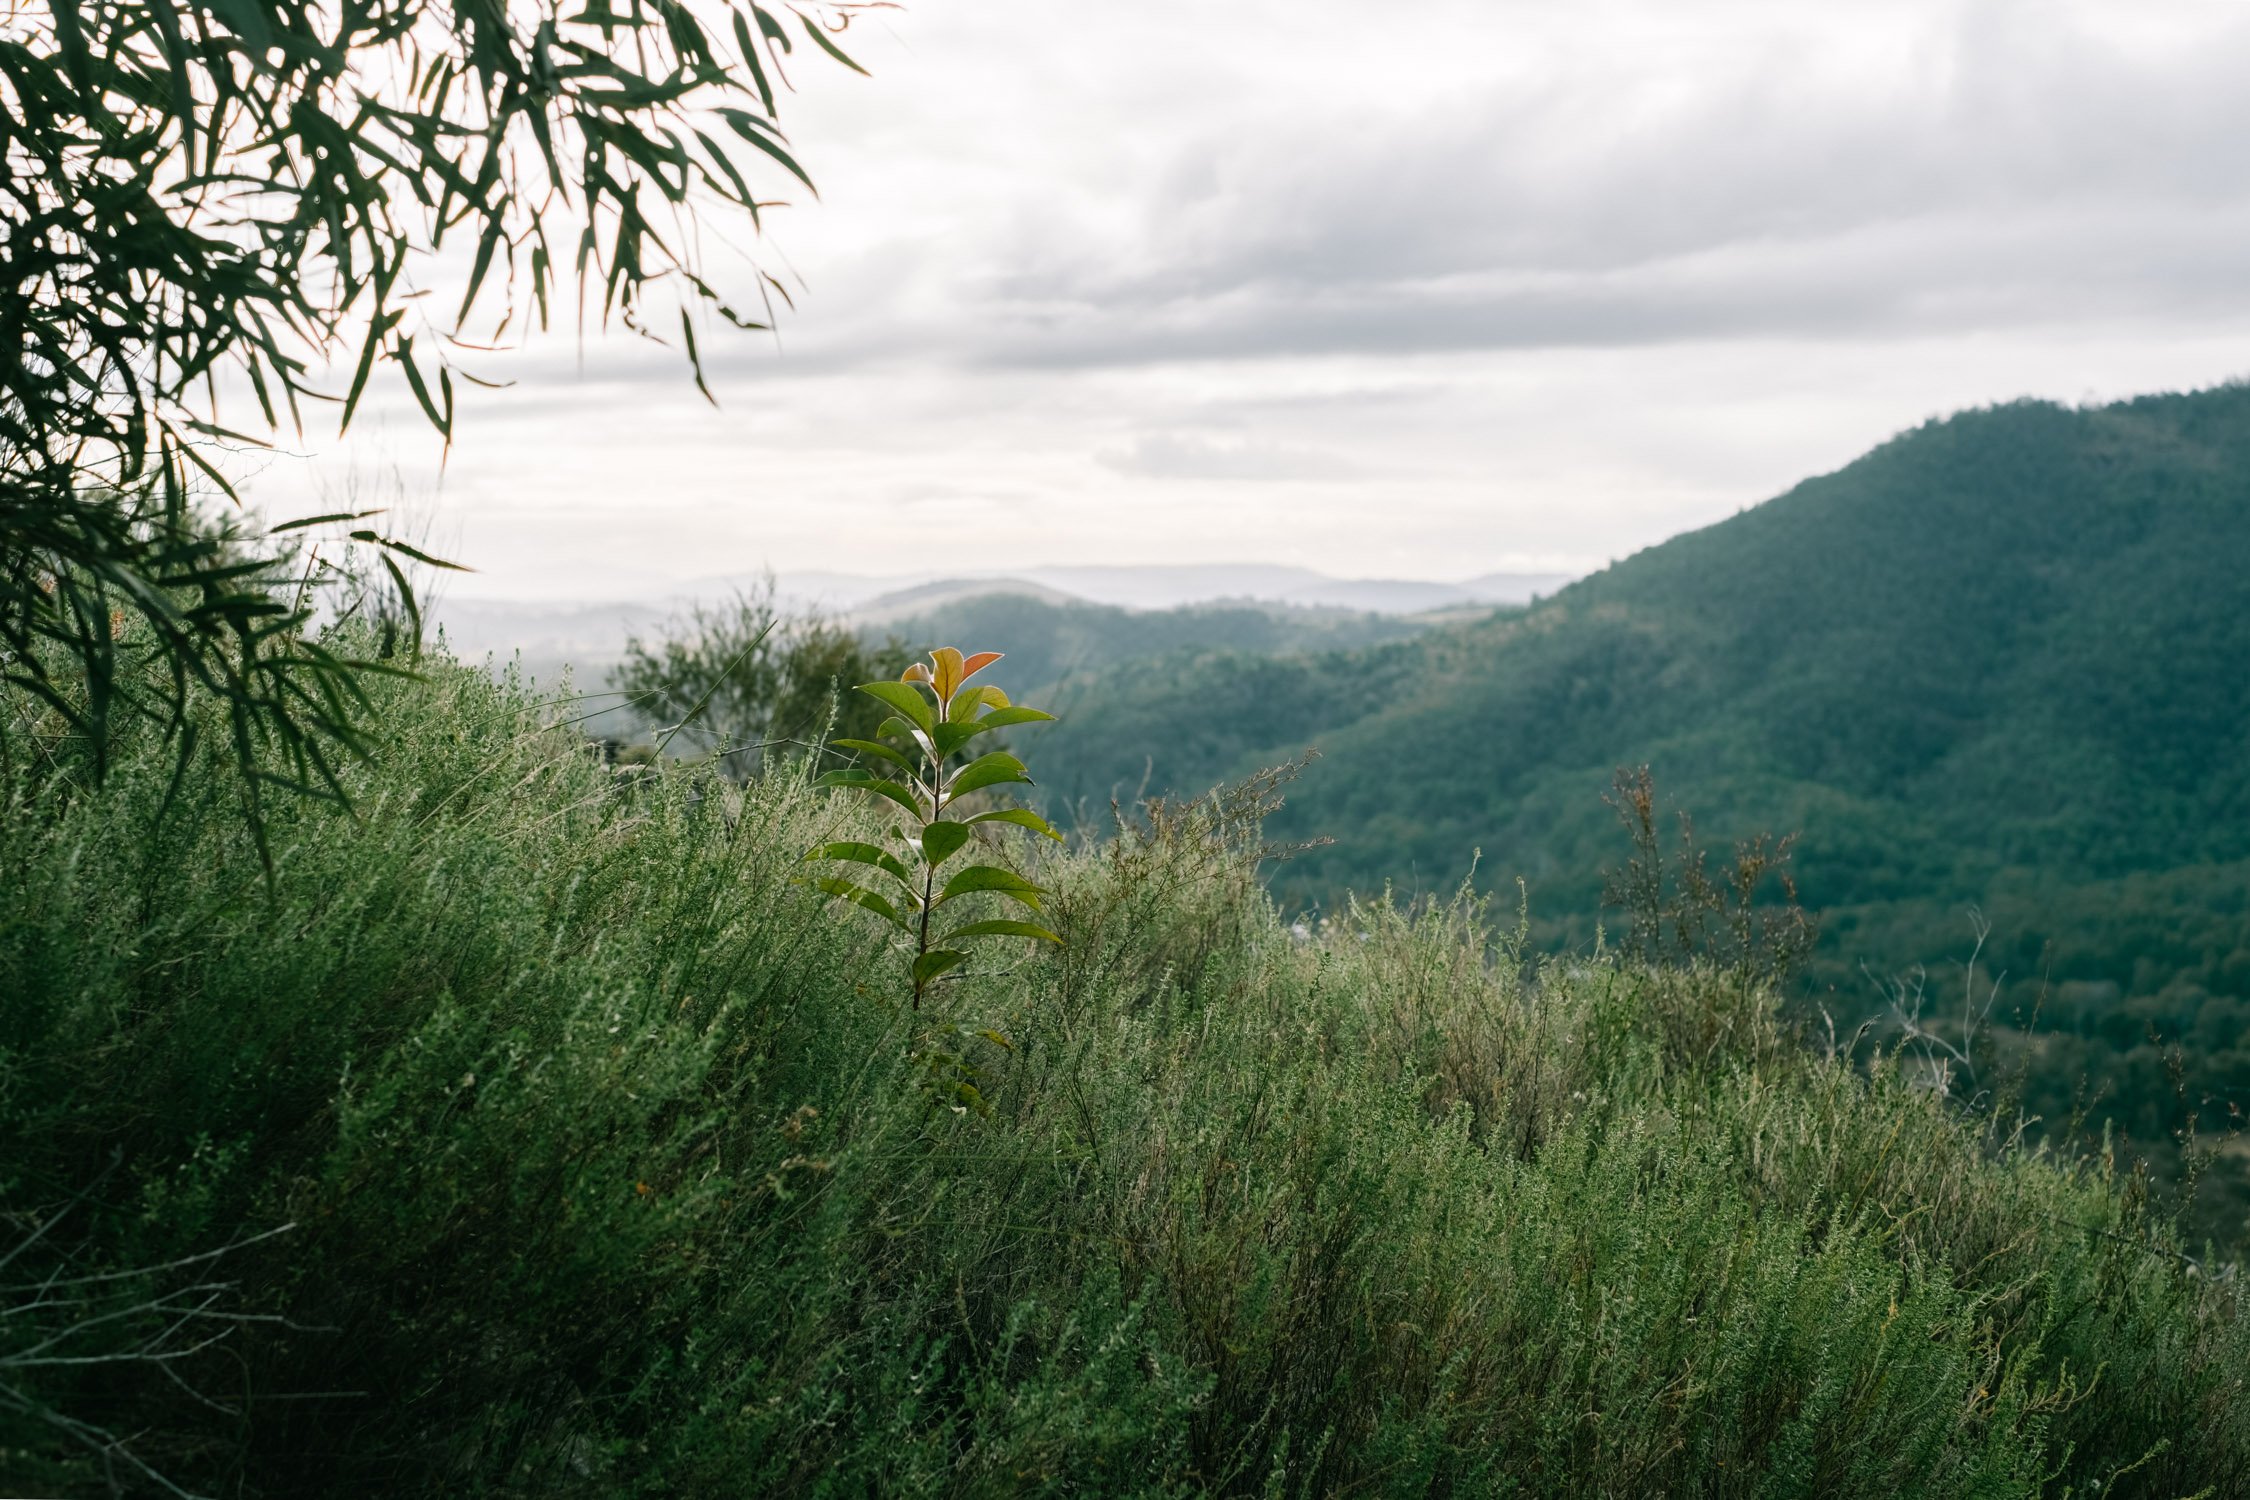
<point x="861" y="896"/>
<point x="1022" y="817"/>
<point x="869" y="747"/>
<point x="866" y="854"/>
<point x="950" y="737"/>
<point x="1002" y="928"/>
<point x="941" y="841"/>
<point x="937" y="961"/>
<point x="990" y="878"/>
<point x="867" y="781"/>
<point x="907" y="699"/>
<point x="1001" y="718"/>
<point x="997" y="769"/>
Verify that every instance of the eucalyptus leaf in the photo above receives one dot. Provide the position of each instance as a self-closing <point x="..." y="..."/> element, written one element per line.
<point x="1022" y="817"/>
<point x="941" y="841"/>
<point x="996" y="769"/>
<point x="906" y="698"/>
<point x="937" y="961"/>
<point x="992" y="878"/>
<point x="855" y="779"/>
<point x="859" y="895"/>
<point x="866" y="854"/>
<point x="880" y="751"/>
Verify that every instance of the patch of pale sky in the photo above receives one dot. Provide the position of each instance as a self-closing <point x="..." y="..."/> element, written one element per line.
<point x="1432" y="293"/>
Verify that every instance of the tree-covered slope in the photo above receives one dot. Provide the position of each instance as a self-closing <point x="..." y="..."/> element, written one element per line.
<point x="1053" y="643"/>
<point x="2014" y="637"/>
<point x="2002" y="661"/>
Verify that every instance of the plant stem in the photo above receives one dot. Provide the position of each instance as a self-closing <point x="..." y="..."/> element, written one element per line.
<point x="929" y="871"/>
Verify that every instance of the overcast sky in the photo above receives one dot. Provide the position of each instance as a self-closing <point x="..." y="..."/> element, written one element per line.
<point x="1417" y="291"/>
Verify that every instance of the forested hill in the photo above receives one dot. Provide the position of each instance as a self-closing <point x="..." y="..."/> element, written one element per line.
<point x="2000" y="659"/>
<point x="1051" y="643"/>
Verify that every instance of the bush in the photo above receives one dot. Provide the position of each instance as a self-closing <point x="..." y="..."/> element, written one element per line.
<point x="607" y="1173"/>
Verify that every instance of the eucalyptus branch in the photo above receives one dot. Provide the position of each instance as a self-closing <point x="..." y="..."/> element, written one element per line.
<point x="920" y="780"/>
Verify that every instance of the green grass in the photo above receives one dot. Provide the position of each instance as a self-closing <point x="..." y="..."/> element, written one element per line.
<point x="607" y="1171"/>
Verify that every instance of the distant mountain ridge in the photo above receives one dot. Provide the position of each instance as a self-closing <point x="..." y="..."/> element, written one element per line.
<point x="2014" y="640"/>
<point x="2021" y="608"/>
<point x="1172" y="586"/>
<point x="590" y="636"/>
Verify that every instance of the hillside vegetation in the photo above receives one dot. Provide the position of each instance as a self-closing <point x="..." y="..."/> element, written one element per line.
<point x="536" y="1133"/>
<point x="1997" y="662"/>
<point x="1052" y="644"/>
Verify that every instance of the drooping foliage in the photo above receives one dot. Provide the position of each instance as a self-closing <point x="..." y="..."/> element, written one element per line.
<point x="204" y="205"/>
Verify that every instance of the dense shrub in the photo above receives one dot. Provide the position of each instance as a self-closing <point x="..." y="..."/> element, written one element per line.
<point x="571" y="1148"/>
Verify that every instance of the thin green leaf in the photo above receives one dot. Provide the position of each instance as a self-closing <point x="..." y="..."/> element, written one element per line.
<point x="762" y="135"/>
<point x="695" y="357"/>
<point x="393" y="544"/>
<point x="335" y="516"/>
<point x="404" y="355"/>
<point x="406" y="598"/>
<point x="818" y="35"/>
<point x="749" y="46"/>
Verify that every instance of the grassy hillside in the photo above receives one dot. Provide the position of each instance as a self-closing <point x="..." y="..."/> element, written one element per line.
<point x="535" y="1134"/>
<point x="1997" y="662"/>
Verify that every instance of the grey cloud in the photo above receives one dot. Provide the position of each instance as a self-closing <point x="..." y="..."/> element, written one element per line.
<point x="2014" y="114"/>
<point x="2015" y="168"/>
<point x="1193" y="456"/>
<point x="2025" y="171"/>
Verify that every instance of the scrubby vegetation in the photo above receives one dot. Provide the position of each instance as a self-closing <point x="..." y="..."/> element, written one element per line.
<point x="535" y="1132"/>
